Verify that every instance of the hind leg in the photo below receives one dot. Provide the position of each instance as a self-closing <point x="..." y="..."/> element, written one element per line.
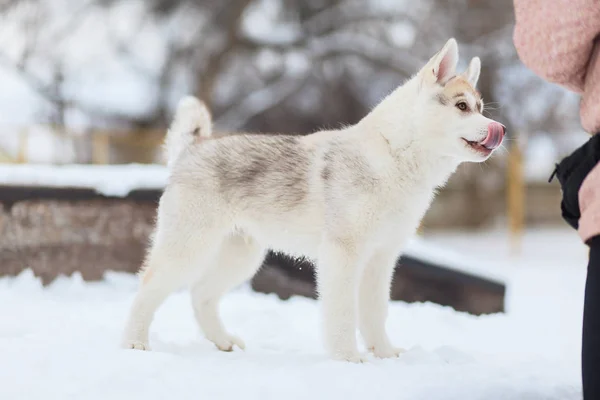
<point x="166" y="271"/>
<point x="156" y="285"/>
<point x="238" y="260"/>
<point x="185" y="243"/>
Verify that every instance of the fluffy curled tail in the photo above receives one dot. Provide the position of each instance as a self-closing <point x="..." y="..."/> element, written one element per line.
<point x="191" y="124"/>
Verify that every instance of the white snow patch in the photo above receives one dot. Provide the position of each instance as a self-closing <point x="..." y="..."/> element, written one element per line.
<point x="61" y="342"/>
<point x="446" y="257"/>
<point x="109" y="180"/>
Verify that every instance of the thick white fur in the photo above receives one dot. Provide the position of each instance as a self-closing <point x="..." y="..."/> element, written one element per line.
<point x="355" y="231"/>
<point x="191" y="124"/>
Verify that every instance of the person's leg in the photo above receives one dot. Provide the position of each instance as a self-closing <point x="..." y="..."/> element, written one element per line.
<point x="590" y="357"/>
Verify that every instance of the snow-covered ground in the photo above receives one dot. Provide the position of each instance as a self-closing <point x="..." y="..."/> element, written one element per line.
<point x="61" y="342"/>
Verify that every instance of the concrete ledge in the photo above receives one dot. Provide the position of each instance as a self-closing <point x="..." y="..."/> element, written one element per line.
<point x="58" y="231"/>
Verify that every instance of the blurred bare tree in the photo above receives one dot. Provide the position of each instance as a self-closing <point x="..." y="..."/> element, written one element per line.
<point x="276" y="65"/>
<point x="289" y="66"/>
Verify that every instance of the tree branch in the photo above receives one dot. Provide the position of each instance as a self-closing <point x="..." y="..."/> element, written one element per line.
<point x="215" y="63"/>
<point x="261" y="101"/>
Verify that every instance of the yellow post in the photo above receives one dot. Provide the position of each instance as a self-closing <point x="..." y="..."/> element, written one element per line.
<point x="515" y="196"/>
<point x="100" y="148"/>
<point x="23" y="146"/>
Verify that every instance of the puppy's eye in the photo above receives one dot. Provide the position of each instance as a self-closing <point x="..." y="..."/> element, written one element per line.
<point x="462" y="106"/>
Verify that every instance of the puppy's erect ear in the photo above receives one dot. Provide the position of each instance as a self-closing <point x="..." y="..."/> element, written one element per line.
<point x="442" y="66"/>
<point x="472" y="73"/>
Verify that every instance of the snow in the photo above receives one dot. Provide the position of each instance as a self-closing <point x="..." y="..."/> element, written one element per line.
<point x="109" y="180"/>
<point x="444" y="256"/>
<point x="61" y="342"/>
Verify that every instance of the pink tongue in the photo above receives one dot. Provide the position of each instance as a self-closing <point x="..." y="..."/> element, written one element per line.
<point x="494" y="136"/>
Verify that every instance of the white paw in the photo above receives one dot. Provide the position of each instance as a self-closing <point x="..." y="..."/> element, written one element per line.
<point x="136" y="345"/>
<point x="387" y="351"/>
<point x="227" y="342"/>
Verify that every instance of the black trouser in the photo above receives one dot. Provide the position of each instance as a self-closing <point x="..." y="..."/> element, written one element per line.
<point x="590" y="349"/>
<point x="571" y="172"/>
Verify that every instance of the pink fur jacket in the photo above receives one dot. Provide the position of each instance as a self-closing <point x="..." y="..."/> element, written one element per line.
<point x="559" y="40"/>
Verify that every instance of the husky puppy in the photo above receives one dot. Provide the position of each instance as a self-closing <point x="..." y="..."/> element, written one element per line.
<point x="348" y="199"/>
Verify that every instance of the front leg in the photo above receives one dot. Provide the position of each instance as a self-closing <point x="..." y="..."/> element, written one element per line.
<point x="373" y="300"/>
<point x="337" y="282"/>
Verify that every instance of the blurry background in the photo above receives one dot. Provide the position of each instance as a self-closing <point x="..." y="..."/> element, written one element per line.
<point x="96" y="81"/>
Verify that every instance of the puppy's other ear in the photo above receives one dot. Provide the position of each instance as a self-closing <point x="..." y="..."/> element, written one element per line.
<point x="472" y="73"/>
<point x="442" y="66"/>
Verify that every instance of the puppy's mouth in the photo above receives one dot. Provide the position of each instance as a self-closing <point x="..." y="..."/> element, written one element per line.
<point x="478" y="147"/>
<point x="491" y="142"/>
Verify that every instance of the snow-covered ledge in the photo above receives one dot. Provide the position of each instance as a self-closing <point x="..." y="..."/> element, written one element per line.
<point x="108" y="180"/>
